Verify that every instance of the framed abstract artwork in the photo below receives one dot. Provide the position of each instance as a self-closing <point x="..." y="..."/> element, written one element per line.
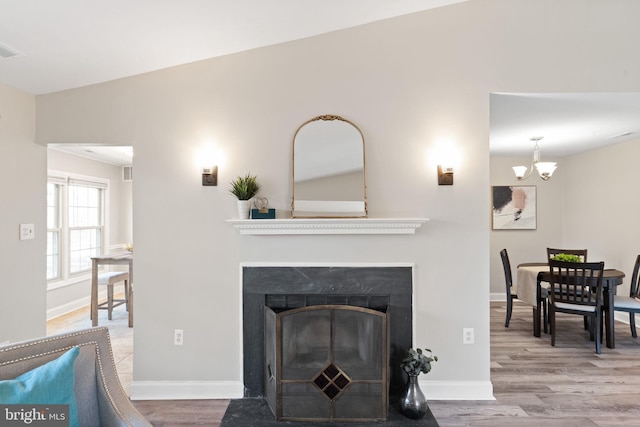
<point x="513" y="207"/>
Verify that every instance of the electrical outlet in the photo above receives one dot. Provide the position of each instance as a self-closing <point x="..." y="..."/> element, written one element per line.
<point x="178" y="337"/>
<point x="467" y="336"/>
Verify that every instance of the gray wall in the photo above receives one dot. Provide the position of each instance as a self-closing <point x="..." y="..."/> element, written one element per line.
<point x="602" y="212"/>
<point x="23" y="195"/>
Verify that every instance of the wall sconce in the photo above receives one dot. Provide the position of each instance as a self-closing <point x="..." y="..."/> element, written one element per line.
<point x="210" y="176"/>
<point x="445" y="175"/>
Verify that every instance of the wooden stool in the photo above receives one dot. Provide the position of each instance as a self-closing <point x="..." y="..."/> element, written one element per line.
<point x="109" y="279"/>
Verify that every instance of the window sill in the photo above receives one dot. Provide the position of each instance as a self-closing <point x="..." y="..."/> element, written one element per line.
<point x="68" y="282"/>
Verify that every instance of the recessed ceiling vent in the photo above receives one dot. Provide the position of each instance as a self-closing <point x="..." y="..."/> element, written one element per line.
<point x="7" y="52"/>
<point x="127" y="173"/>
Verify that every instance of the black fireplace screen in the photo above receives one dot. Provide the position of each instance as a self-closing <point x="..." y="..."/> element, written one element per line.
<point x="326" y="362"/>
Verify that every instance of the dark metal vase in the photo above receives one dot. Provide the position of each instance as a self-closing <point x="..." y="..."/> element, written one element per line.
<point x="413" y="403"/>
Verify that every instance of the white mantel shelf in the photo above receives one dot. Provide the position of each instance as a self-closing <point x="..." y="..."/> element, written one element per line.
<point x="327" y="226"/>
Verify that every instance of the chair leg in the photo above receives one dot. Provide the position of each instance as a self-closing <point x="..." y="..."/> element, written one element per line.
<point x="632" y="324"/>
<point x="601" y="325"/>
<point x="110" y="299"/>
<point x="598" y="327"/>
<point x="509" y="309"/>
<point x="126" y="294"/>
<point x="545" y="315"/>
<point x="130" y="293"/>
<point x="586" y="323"/>
<point x="552" y="324"/>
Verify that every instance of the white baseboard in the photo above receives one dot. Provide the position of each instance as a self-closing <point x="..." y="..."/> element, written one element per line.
<point x="63" y="309"/>
<point x="181" y="390"/>
<point x="497" y="296"/>
<point x="457" y="390"/>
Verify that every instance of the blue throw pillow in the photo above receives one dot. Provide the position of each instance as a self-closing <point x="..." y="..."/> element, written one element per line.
<point x="49" y="384"/>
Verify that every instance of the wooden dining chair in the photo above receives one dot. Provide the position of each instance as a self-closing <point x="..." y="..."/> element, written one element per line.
<point x="631" y="304"/>
<point x="551" y="252"/>
<point x="576" y="288"/>
<point x="508" y="280"/>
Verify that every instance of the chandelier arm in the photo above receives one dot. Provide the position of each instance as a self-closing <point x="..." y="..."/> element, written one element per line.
<point x="529" y="171"/>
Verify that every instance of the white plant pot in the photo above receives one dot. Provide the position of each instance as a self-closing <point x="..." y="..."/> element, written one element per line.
<point x="243" y="209"/>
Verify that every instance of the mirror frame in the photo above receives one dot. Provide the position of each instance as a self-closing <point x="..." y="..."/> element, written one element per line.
<point x="340" y="207"/>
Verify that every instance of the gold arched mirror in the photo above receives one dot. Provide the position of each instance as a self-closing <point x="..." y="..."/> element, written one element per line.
<point x="328" y="170"/>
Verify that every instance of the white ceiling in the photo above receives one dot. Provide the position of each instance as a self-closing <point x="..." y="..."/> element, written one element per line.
<point x="65" y="44"/>
<point x="120" y="155"/>
<point x="569" y="123"/>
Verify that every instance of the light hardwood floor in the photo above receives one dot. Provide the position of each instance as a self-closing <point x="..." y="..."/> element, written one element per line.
<point x="539" y="385"/>
<point x="534" y="384"/>
<point x="121" y="336"/>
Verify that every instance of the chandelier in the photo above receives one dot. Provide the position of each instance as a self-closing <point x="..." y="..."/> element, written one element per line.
<point x="545" y="169"/>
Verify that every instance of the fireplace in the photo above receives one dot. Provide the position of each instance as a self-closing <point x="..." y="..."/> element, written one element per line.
<point x="385" y="289"/>
<point x="326" y="363"/>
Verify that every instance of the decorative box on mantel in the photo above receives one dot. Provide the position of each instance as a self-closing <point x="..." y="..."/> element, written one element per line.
<point x="263" y="213"/>
<point x="329" y="226"/>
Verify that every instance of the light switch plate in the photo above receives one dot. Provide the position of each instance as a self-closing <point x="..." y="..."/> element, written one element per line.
<point x="27" y="231"/>
<point x="468" y="336"/>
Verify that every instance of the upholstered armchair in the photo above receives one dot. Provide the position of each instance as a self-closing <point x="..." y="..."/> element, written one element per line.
<point x="99" y="396"/>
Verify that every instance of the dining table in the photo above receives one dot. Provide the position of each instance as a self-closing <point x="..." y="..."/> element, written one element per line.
<point x="533" y="277"/>
<point x="120" y="258"/>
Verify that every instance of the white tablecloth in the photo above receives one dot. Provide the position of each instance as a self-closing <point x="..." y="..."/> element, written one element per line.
<point x="526" y="282"/>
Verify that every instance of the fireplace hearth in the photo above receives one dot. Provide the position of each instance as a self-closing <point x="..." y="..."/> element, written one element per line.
<point x="254" y="412"/>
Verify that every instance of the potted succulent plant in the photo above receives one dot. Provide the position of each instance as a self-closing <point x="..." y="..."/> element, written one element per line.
<point x="413" y="403"/>
<point x="567" y="258"/>
<point x="244" y="188"/>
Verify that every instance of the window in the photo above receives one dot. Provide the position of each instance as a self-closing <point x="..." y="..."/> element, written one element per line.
<point x="53" y="230"/>
<point x="75" y="224"/>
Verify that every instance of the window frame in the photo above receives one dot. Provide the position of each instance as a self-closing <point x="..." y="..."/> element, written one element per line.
<point x="55" y="228"/>
<point x="64" y="180"/>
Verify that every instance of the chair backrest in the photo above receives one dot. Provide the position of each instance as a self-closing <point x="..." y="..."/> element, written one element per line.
<point x="551" y="252"/>
<point x="578" y="283"/>
<point x="508" y="279"/>
<point x="635" y="278"/>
